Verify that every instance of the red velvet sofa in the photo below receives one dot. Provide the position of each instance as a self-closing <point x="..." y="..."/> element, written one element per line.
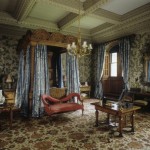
<point x="67" y="104"/>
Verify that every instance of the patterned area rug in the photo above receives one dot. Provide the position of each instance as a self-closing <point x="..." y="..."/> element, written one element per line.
<point x="72" y="131"/>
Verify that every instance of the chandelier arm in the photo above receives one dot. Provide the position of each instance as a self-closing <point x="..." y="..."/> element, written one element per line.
<point x="79" y="17"/>
<point x="77" y="49"/>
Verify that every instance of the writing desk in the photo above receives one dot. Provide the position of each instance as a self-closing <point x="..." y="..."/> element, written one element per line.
<point x="116" y="111"/>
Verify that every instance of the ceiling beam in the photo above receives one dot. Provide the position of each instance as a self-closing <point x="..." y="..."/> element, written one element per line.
<point x="71" y="17"/>
<point x="131" y="25"/>
<point x="63" y="4"/>
<point x="6" y="18"/>
<point x="136" y="12"/>
<point x="87" y="9"/>
<point x="96" y="30"/>
<point x="23" y="9"/>
<point x="107" y="16"/>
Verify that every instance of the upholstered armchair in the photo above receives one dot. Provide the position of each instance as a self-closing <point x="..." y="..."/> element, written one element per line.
<point x="71" y="102"/>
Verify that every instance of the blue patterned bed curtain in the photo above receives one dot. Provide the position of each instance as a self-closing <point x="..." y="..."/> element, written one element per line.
<point x="100" y="63"/>
<point x="22" y="90"/>
<point x="20" y="81"/>
<point x="59" y="71"/>
<point x="72" y="74"/>
<point x="41" y="80"/>
<point x="148" y="71"/>
<point x="124" y="47"/>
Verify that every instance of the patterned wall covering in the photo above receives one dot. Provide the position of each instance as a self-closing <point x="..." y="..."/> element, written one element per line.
<point x="136" y="72"/>
<point x="8" y="58"/>
<point x="87" y="65"/>
<point x="85" y="69"/>
<point x="136" y="66"/>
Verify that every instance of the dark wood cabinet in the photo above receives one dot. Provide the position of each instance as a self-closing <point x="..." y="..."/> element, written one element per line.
<point x="112" y="86"/>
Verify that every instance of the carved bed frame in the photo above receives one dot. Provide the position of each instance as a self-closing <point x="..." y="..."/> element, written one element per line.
<point x="41" y="36"/>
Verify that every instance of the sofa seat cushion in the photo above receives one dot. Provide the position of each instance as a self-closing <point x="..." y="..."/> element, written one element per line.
<point x="140" y="102"/>
<point x="64" y="107"/>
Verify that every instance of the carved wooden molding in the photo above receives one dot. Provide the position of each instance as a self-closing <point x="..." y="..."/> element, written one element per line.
<point x="41" y="36"/>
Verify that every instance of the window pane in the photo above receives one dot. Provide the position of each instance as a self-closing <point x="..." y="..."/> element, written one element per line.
<point x="114" y="69"/>
<point x="114" y="57"/>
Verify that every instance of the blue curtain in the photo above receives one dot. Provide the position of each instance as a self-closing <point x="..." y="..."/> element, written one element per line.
<point x="22" y="91"/>
<point x="124" y="48"/>
<point x="148" y="71"/>
<point x="100" y="63"/>
<point x="41" y="80"/>
<point x="20" y="81"/>
<point x="72" y="74"/>
<point x="59" y="71"/>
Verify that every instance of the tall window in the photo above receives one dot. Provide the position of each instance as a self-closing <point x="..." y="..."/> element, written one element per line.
<point x="112" y="80"/>
<point x="112" y="67"/>
<point x="113" y="64"/>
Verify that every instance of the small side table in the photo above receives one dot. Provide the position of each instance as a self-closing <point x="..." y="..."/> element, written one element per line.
<point x="9" y="108"/>
<point x="9" y="95"/>
<point x="85" y="89"/>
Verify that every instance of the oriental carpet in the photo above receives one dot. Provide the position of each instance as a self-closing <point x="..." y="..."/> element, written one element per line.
<point x="71" y="131"/>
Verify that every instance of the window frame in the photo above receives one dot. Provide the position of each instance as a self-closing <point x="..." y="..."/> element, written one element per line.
<point x="107" y="65"/>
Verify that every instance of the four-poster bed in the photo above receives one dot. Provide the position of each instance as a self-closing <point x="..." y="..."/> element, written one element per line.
<point x="33" y="40"/>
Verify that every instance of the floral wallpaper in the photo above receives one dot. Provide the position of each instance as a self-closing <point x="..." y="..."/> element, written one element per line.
<point x="8" y="59"/>
<point x="136" y="65"/>
<point x="84" y="68"/>
<point x="136" y="72"/>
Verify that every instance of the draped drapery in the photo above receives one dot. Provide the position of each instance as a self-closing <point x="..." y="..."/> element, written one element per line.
<point x="41" y="79"/>
<point x="148" y="71"/>
<point x="124" y="48"/>
<point x="20" y="81"/>
<point x="72" y="74"/>
<point x="22" y="90"/>
<point x="57" y="70"/>
<point x="100" y="63"/>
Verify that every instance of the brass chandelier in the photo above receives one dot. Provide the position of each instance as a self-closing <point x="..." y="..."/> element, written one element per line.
<point x="78" y="49"/>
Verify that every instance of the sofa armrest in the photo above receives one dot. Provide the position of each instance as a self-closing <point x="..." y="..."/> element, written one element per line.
<point x="70" y="96"/>
<point x="47" y="98"/>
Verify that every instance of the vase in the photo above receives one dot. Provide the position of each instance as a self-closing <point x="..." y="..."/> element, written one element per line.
<point x="2" y="98"/>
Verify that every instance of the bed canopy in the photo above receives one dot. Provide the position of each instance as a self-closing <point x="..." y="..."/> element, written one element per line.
<point x="36" y="40"/>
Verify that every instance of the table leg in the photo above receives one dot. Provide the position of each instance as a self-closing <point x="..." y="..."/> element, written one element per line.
<point x="96" y="114"/>
<point x="108" y="118"/>
<point x="11" y="117"/>
<point x="120" y="126"/>
<point x="132" y="122"/>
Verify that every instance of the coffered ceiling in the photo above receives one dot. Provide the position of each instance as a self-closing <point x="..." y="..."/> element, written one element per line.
<point x="101" y="20"/>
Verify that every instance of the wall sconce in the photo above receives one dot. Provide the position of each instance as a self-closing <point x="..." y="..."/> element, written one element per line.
<point x="9" y="80"/>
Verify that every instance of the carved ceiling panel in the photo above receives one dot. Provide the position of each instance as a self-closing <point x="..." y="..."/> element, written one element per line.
<point x="101" y="20"/>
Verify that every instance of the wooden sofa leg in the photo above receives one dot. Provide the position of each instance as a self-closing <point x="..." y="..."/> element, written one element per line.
<point x="82" y="112"/>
